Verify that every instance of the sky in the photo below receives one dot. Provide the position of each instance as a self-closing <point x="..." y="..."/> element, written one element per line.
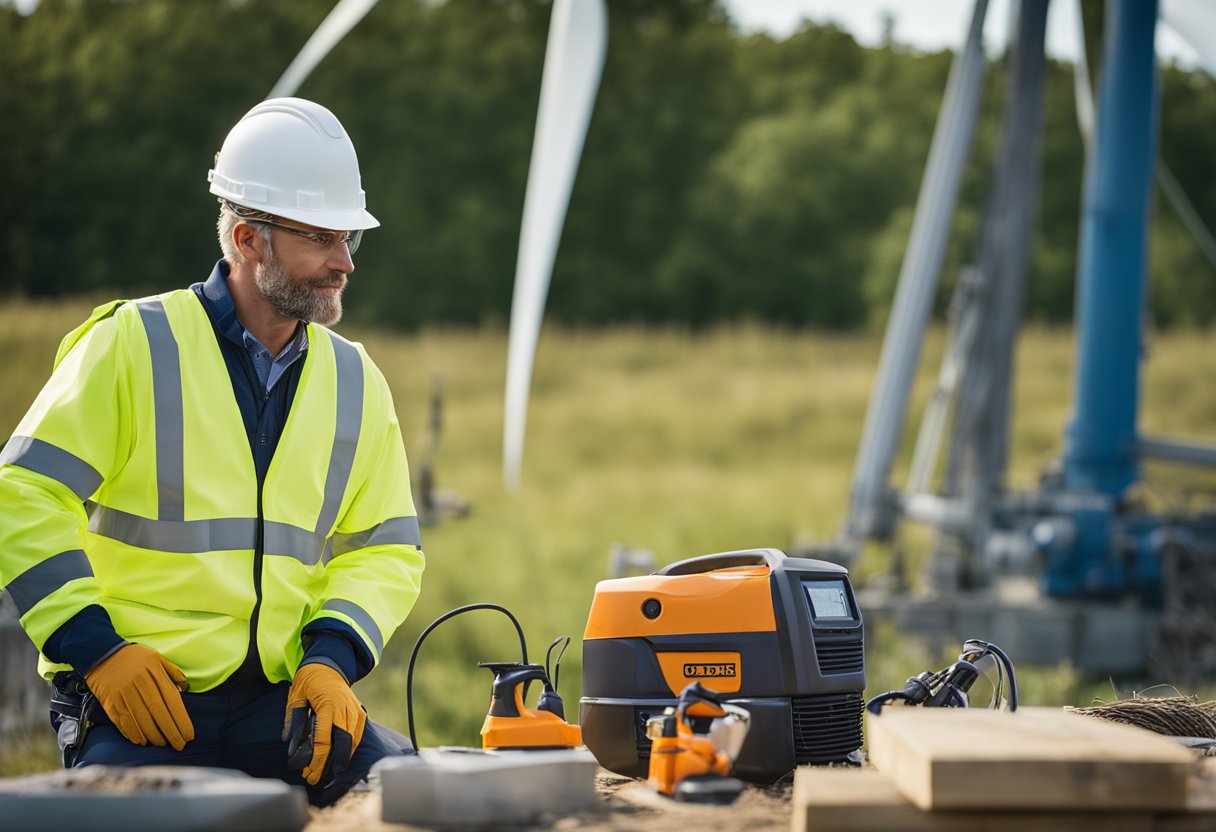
<point x="926" y="24"/>
<point x="942" y="24"/>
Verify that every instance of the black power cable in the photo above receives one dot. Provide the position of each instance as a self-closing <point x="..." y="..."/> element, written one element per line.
<point x="980" y="648"/>
<point x="948" y="687"/>
<point x="552" y="674"/>
<point x="409" y="676"/>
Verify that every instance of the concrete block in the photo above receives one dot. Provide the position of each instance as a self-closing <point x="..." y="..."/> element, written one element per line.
<point x="151" y="799"/>
<point x="453" y="788"/>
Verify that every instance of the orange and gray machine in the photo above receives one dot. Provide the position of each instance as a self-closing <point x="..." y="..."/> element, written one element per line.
<point x="780" y="636"/>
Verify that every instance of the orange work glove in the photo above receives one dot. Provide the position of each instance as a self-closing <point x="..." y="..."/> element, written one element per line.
<point x="140" y="691"/>
<point x="324" y="717"/>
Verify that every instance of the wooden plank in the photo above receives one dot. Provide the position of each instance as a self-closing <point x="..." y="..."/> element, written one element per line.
<point x="865" y="800"/>
<point x="1036" y="758"/>
<point x="1200" y="814"/>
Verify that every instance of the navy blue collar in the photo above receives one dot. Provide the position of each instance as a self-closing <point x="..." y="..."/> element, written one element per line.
<point x="223" y="309"/>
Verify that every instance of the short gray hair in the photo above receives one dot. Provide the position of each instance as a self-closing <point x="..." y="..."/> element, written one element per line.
<point x="225" y="225"/>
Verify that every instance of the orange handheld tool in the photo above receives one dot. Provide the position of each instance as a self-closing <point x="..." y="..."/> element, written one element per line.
<point x="511" y="725"/>
<point x="693" y="747"/>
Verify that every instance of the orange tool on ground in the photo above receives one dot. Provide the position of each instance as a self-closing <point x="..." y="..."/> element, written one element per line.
<point x="694" y="745"/>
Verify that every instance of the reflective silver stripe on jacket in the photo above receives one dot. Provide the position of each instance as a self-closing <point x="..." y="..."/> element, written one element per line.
<point x="54" y="462"/>
<point x="41" y="579"/>
<point x="286" y="540"/>
<point x="346" y="430"/>
<point x="234" y="533"/>
<point x="167" y="400"/>
<point x="397" y="530"/>
<point x="361" y="617"/>
<point x="198" y="536"/>
<point x="180" y="536"/>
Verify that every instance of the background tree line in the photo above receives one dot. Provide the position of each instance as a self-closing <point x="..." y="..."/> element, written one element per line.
<point x="725" y="176"/>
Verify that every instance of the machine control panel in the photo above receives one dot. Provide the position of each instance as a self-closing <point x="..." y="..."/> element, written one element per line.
<point x="830" y="601"/>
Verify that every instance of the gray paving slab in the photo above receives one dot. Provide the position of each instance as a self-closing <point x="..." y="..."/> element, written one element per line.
<point x="170" y="798"/>
<point x="455" y="789"/>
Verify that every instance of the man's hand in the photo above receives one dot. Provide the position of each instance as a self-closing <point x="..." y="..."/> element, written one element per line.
<point x="339" y="720"/>
<point x="140" y="691"/>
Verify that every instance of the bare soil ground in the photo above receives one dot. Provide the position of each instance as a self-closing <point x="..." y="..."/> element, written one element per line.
<point x="625" y="805"/>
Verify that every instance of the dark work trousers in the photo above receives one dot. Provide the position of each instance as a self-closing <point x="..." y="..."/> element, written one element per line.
<point x="239" y="727"/>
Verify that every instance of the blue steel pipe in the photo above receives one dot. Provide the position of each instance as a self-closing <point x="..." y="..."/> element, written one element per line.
<point x="1100" y="443"/>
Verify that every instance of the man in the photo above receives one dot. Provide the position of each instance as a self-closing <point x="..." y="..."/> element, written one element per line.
<point x="205" y="517"/>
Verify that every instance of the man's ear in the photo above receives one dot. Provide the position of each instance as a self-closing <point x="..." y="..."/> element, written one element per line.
<point x="249" y="243"/>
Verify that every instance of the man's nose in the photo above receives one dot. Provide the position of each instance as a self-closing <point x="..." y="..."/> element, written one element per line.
<point x="340" y="259"/>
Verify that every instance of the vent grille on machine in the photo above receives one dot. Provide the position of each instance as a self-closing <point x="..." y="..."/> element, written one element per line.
<point x="827" y="727"/>
<point x="840" y="657"/>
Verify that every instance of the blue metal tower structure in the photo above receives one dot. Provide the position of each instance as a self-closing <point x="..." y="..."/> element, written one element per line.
<point x="1100" y="455"/>
<point x="1096" y="551"/>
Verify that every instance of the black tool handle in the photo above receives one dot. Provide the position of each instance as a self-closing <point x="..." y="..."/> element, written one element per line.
<point x="507" y="677"/>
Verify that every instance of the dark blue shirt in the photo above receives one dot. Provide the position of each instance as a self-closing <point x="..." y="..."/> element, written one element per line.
<point x="270" y="367"/>
<point x="263" y="411"/>
<point x="264" y="402"/>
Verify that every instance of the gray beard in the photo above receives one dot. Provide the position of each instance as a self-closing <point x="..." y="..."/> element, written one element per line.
<point x="298" y="299"/>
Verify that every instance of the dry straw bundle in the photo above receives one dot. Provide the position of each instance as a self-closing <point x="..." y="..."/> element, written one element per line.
<point x="1175" y="716"/>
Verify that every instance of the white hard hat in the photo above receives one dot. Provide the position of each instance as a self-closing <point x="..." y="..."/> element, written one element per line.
<point x="292" y="158"/>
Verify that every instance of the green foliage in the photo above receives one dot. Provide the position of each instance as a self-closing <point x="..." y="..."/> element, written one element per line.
<point x="725" y="177"/>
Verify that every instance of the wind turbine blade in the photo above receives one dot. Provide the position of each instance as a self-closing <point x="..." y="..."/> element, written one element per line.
<point x="574" y="60"/>
<point x="1193" y="22"/>
<point x="343" y="17"/>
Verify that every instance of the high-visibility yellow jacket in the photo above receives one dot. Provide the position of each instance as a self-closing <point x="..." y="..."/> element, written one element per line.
<point x="130" y="484"/>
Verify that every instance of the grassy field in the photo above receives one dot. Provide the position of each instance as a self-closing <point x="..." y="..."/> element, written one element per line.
<point x="676" y="442"/>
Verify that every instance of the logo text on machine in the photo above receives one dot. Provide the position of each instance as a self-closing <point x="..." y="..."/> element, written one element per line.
<point x="693" y="671"/>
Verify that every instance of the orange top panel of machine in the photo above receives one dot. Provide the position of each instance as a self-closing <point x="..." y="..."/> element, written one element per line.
<point x="735" y="600"/>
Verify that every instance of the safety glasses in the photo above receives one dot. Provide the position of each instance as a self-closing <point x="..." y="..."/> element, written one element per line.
<point x="324" y="240"/>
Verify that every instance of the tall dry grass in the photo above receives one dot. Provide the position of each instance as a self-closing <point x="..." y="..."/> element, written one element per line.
<point x="683" y="443"/>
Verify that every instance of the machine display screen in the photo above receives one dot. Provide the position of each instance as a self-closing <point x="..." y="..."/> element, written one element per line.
<point x="829" y="599"/>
